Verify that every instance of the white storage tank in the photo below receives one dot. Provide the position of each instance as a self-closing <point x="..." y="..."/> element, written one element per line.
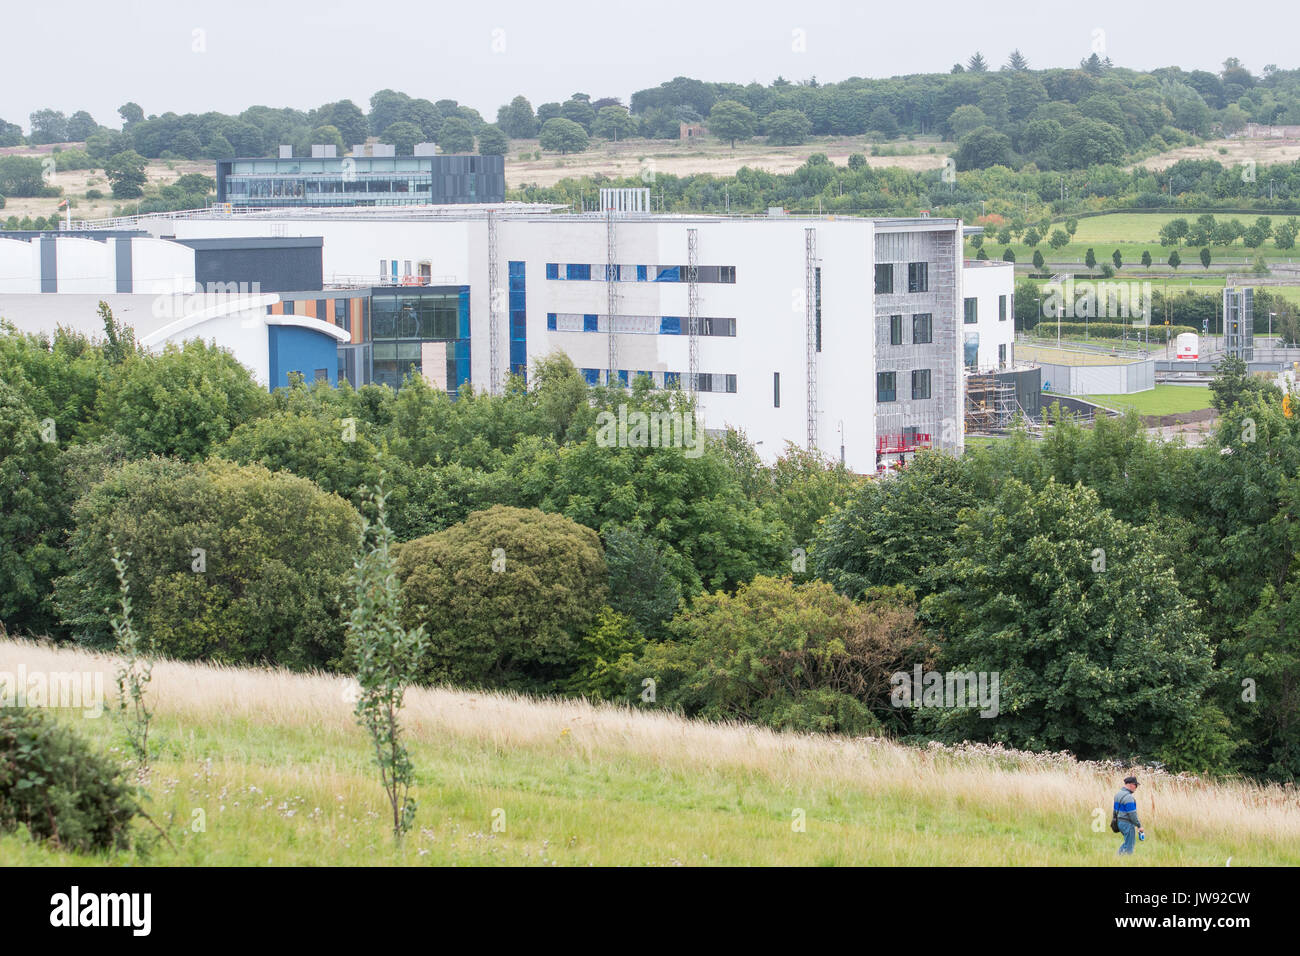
<point x="1188" y="344"/>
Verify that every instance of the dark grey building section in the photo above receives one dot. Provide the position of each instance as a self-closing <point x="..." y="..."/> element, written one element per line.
<point x="1029" y="388"/>
<point x="469" y="179"/>
<point x="123" y="253"/>
<point x="49" y="264"/>
<point x="273" y="263"/>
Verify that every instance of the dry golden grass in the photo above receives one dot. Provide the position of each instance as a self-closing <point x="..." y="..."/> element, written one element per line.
<point x="315" y="707"/>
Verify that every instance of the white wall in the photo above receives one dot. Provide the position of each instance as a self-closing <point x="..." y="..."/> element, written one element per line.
<point x="20" y="266"/>
<point x="987" y="282"/>
<point x="157" y="266"/>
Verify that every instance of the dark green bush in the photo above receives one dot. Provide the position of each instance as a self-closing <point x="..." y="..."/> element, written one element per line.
<point x="61" y="790"/>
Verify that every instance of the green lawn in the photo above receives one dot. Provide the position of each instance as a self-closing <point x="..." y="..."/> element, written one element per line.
<point x="1161" y="400"/>
<point x="1133" y="233"/>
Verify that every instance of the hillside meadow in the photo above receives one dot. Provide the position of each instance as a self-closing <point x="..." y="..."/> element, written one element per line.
<point x="263" y="767"/>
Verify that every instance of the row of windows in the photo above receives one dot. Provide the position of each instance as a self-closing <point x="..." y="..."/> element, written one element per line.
<point x="922" y="329"/>
<point x="972" y="310"/>
<point x="622" y="273"/>
<point x="918" y="277"/>
<point x="708" y="382"/>
<point x="645" y="324"/>
<point x="887" y="385"/>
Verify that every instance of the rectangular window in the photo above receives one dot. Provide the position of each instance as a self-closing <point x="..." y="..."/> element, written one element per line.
<point x="921" y="383"/>
<point x="895" y="330"/>
<point x="776" y="389"/>
<point x="642" y="273"/>
<point x="884" y="278"/>
<point x="342" y="318"/>
<point x="730" y="384"/>
<point x="727" y="274"/>
<point x="577" y="271"/>
<point x="383" y="269"/>
<point x="704" y="382"/>
<point x="672" y="379"/>
<point x="1002" y="356"/>
<point x="972" y="314"/>
<point x="590" y="323"/>
<point x="918" y="277"/>
<point x="552" y="270"/>
<point x="886" y="387"/>
<point x="322" y="375"/>
<point x="552" y="323"/>
<point x="1002" y="308"/>
<point x="612" y="273"/>
<point x="922" y="328"/>
<point x="670" y="325"/>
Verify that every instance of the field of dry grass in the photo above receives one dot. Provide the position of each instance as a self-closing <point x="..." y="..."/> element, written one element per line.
<point x="645" y="157"/>
<point x="1229" y="152"/>
<point x="281" y="773"/>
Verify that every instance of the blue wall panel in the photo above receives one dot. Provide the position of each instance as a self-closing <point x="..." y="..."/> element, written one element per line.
<point x="294" y="349"/>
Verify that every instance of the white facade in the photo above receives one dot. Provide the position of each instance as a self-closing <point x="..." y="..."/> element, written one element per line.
<point x="992" y="287"/>
<point x="783" y="365"/>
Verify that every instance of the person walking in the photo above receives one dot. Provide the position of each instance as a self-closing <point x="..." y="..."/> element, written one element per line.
<point x="1126" y="815"/>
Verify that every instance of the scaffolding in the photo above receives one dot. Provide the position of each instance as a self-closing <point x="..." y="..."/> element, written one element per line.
<point x="991" y="403"/>
<point x="810" y="318"/>
<point x="611" y="284"/>
<point x="495" y="294"/>
<point x="693" y="307"/>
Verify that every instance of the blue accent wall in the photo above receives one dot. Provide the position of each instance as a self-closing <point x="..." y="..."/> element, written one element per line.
<point x="462" y="343"/>
<point x="518" y="320"/>
<point x="294" y="349"/>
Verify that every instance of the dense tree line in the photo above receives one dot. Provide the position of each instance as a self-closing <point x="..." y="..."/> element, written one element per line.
<point x="1056" y="118"/>
<point x="1134" y="596"/>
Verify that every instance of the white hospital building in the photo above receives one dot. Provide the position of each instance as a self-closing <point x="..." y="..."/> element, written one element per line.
<point x="852" y="335"/>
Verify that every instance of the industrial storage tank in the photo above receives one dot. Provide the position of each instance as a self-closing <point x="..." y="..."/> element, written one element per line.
<point x="1188" y="344"/>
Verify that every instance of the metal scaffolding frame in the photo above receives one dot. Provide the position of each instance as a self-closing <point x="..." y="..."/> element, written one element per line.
<point x="991" y="403"/>
<point x="693" y="308"/>
<point x="495" y="294"/>
<point x="810" y="318"/>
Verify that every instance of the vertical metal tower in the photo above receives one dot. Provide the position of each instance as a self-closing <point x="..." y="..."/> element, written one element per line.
<point x="810" y="316"/>
<point x="495" y="294"/>
<point x="693" y="307"/>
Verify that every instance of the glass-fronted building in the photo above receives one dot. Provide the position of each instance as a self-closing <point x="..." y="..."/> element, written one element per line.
<point x="394" y="331"/>
<point x="361" y="181"/>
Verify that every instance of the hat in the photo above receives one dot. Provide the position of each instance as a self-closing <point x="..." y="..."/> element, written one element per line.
<point x="1132" y="780"/>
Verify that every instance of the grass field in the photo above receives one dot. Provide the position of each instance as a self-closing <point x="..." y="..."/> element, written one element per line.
<point x="1161" y="400"/>
<point x="1062" y="356"/>
<point x="1132" y="233"/>
<point x="282" y="775"/>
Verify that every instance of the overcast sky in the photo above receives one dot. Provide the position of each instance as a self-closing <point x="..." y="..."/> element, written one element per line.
<point x="191" y="57"/>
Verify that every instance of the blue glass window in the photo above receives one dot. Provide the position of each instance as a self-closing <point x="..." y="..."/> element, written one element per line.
<point x="668" y="274"/>
<point x="590" y="323"/>
<point x="672" y="379"/>
<point x="576" y="270"/>
<point x="552" y="270"/>
<point x="642" y="273"/>
<point x="670" y="325"/>
<point x="592" y="375"/>
<point x="551" y="321"/>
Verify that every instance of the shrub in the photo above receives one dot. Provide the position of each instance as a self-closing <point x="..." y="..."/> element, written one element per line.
<point x="505" y="595"/>
<point x="264" y="588"/>
<point x="791" y="657"/>
<point x="52" y="783"/>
